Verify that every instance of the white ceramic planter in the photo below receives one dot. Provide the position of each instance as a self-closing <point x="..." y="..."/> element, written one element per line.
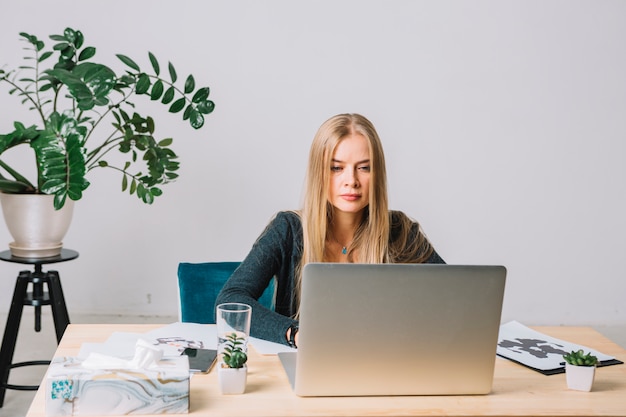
<point x="579" y="378"/>
<point x="231" y="380"/>
<point x="37" y="228"/>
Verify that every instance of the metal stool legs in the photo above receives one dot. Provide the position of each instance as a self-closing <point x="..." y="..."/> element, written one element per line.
<point x="37" y="298"/>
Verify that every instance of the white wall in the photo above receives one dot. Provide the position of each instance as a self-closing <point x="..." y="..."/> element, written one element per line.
<point x="503" y="122"/>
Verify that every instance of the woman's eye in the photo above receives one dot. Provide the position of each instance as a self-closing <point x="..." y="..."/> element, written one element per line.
<point x="364" y="168"/>
<point x="335" y="168"/>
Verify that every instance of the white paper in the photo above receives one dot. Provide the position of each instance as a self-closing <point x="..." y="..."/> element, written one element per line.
<point x="119" y="345"/>
<point x="205" y="336"/>
<point x="535" y="349"/>
<point x="172" y="339"/>
<point x="177" y="336"/>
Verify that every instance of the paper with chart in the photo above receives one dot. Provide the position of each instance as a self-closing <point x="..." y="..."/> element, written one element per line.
<point x="539" y="351"/>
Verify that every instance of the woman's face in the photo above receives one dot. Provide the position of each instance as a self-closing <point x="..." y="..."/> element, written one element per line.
<point x="350" y="175"/>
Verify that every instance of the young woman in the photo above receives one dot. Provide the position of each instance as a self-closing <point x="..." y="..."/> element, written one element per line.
<point x="345" y="218"/>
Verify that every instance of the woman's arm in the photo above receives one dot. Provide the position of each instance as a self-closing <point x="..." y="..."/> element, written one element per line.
<point x="272" y="255"/>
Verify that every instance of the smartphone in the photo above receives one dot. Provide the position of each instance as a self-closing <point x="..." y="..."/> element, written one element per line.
<point x="200" y="360"/>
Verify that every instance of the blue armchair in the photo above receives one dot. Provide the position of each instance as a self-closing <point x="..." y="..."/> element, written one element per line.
<point x="200" y="283"/>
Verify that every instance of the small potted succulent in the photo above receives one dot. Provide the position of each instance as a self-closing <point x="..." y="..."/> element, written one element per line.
<point x="580" y="370"/>
<point x="233" y="371"/>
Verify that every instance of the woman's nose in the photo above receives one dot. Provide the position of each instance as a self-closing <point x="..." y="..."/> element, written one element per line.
<point x="351" y="178"/>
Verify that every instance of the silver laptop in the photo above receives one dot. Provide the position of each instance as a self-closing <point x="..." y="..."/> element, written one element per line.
<point x="396" y="329"/>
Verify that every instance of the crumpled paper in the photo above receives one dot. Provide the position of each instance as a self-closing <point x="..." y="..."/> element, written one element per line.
<point x="146" y="356"/>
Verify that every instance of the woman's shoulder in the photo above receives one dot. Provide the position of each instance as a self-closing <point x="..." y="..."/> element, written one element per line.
<point x="398" y="217"/>
<point x="289" y="216"/>
<point x="284" y="220"/>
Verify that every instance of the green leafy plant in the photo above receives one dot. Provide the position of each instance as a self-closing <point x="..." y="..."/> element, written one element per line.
<point x="233" y="355"/>
<point x="73" y="97"/>
<point x="579" y="358"/>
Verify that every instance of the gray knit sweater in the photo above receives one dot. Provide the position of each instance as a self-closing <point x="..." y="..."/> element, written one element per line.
<point x="276" y="253"/>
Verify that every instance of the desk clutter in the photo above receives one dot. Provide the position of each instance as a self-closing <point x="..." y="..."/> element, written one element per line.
<point x="517" y="390"/>
<point x="131" y="373"/>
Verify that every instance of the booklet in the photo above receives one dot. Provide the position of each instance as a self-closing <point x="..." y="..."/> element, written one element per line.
<point x="538" y="351"/>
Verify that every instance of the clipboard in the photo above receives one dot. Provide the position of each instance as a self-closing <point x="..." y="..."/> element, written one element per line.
<point x="540" y="352"/>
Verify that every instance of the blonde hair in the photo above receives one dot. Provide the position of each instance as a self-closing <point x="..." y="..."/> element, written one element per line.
<point x="371" y="240"/>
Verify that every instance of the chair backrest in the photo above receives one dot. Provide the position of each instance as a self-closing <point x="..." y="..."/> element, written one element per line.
<point x="200" y="283"/>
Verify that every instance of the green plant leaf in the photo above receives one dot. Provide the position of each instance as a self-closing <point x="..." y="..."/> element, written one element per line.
<point x="190" y="84"/>
<point x="178" y="105"/>
<point x="168" y="96"/>
<point x="157" y="90"/>
<point x="45" y="56"/>
<point x="201" y="95"/>
<point x="20" y="135"/>
<point x="100" y="80"/>
<point x="75" y="37"/>
<point x="206" y="107"/>
<point x="80" y="38"/>
<point x="143" y="84"/>
<point x="126" y="60"/>
<point x="196" y="119"/>
<point x="88" y="83"/>
<point x="12" y="186"/>
<point x="61" y="159"/>
<point x="154" y="62"/>
<point x="187" y="112"/>
<point x="61" y="46"/>
<point x="172" y="70"/>
<point x="87" y="53"/>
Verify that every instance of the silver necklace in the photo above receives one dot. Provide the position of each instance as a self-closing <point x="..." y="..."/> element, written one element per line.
<point x="344" y="248"/>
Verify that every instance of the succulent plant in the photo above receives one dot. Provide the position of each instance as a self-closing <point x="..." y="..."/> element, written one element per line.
<point x="233" y="355"/>
<point x="579" y="358"/>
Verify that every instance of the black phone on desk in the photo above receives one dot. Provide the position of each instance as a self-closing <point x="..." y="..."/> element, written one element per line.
<point x="200" y="360"/>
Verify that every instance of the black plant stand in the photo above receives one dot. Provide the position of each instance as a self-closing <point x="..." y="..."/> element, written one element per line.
<point x="36" y="298"/>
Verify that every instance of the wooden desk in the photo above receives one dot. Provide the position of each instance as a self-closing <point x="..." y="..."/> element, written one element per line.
<point x="517" y="391"/>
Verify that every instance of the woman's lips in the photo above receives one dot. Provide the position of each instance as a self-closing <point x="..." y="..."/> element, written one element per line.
<point x="350" y="197"/>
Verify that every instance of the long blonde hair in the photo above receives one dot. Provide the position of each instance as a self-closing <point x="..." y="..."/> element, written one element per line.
<point x="372" y="238"/>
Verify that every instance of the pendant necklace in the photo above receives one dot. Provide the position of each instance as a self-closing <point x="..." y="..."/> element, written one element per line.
<point x="344" y="248"/>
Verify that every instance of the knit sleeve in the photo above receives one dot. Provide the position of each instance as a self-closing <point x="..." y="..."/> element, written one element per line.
<point x="272" y="255"/>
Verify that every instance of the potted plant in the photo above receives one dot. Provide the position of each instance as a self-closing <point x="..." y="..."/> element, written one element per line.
<point x="233" y="371"/>
<point x="580" y="369"/>
<point x="87" y="119"/>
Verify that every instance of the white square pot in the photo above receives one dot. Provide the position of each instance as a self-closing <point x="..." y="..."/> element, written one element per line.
<point x="579" y="378"/>
<point x="231" y="380"/>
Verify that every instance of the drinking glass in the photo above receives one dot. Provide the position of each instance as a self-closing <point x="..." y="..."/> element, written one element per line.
<point x="233" y="318"/>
